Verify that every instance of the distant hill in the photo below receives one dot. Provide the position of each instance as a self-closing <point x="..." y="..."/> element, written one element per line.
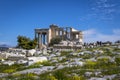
<point x="5" y="45"/>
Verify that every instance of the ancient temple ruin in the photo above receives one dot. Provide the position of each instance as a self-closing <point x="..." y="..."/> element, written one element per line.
<point x="65" y="33"/>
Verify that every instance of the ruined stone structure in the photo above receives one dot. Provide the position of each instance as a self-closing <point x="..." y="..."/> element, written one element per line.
<point x="65" y="33"/>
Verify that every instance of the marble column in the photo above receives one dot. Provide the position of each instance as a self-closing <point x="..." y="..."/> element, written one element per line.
<point x="59" y="32"/>
<point x="66" y="34"/>
<point x="80" y="36"/>
<point x="35" y="35"/>
<point x="47" y="38"/>
<point x="40" y="40"/>
<point x="44" y="39"/>
<point x="71" y="37"/>
<point x="62" y="34"/>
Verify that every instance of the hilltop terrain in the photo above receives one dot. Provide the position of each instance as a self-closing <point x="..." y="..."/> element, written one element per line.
<point x="99" y="63"/>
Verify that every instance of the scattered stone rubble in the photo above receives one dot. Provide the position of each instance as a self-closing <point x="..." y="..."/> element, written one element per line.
<point x="29" y="57"/>
<point x="21" y="56"/>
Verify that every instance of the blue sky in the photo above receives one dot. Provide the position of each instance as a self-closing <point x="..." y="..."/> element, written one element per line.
<point x="98" y="19"/>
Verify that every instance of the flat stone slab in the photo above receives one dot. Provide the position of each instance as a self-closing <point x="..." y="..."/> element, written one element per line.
<point x="36" y="70"/>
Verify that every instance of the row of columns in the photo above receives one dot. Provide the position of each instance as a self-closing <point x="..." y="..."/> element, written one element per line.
<point x="42" y="39"/>
<point x="61" y="32"/>
<point x="43" y="36"/>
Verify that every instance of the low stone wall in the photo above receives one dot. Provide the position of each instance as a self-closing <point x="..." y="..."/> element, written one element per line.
<point x="67" y="48"/>
<point x="16" y="58"/>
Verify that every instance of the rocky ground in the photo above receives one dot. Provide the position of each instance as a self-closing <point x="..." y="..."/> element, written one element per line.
<point x="99" y="63"/>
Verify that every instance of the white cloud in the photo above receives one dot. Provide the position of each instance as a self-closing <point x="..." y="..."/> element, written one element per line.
<point x="104" y="9"/>
<point x="105" y="37"/>
<point x="93" y="35"/>
<point x="2" y="42"/>
<point x="90" y="31"/>
<point x="116" y="31"/>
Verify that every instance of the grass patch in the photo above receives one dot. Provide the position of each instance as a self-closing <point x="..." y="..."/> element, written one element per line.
<point x="64" y="53"/>
<point x="10" y="69"/>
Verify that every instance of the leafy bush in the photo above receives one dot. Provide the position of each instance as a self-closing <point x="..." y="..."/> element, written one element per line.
<point x="110" y="71"/>
<point x="105" y="63"/>
<point x="78" y="51"/>
<point x="38" y="64"/>
<point x="35" y="65"/>
<point x="86" y="56"/>
<point x="90" y="64"/>
<point x="117" y="60"/>
<point x="16" y="75"/>
<point x="30" y="75"/>
<point x="9" y="70"/>
<point x="60" y="75"/>
<point x="51" y="77"/>
<point x="65" y="53"/>
<point x="26" y="43"/>
<point x="55" y="40"/>
<point x="46" y="63"/>
<point x="116" y="49"/>
<point x="78" y="78"/>
<point x="12" y="68"/>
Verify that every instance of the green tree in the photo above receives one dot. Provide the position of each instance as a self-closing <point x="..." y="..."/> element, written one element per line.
<point x="26" y="43"/>
<point x="32" y="44"/>
<point x="55" y="40"/>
